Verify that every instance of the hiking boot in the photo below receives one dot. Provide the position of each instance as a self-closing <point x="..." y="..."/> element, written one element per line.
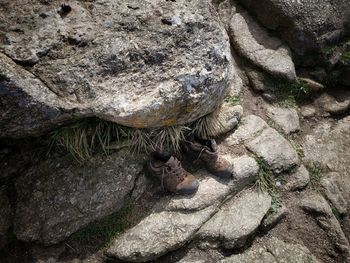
<point x="172" y="176"/>
<point x="206" y="151"/>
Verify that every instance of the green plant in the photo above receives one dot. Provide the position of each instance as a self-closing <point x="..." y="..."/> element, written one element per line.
<point x="107" y="228"/>
<point x="298" y="148"/>
<point x="233" y="100"/>
<point x="345" y="57"/>
<point x="206" y="126"/>
<point x="328" y="50"/>
<point x="336" y="213"/>
<point x="315" y="173"/>
<point x="265" y="183"/>
<point x="87" y="136"/>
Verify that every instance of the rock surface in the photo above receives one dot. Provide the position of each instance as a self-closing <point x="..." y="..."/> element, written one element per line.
<point x="273" y="250"/>
<point x="224" y="119"/>
<point x="236" y="221"/>
<point x="140" y="64"/>
<point x="265" y="142"/>
<point x="297" y="180"/>
<point x="176" y="219"/>
<point x="254" y="43"/>
<point x="273" y="219"/>
<point x="286" y="118"/>
<point x="305" y="25"/>
<point x="275" y="150"/>
<point x="5" y="217"/>
<point x="317" y="206"/>
<point x="157" y="234"/>
<point x="59" y="196"/>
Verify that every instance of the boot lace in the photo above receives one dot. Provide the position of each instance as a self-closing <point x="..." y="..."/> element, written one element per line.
<point x="174" y="170"/>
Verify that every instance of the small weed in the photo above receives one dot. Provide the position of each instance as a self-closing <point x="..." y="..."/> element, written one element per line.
<point x="275" y="203"/>
<point x="298" y="148"/>
<point x="206" y="126"/>
<point x="89" y="136"/>
<point x="233" y="100"/>
<point x="345" y="57"/>
<point x="315" y="173"/>
<point x="107" y="228"/>
<point x="265" y="183"/>
<point x="328" y="50"/>
<point x="336" y="213"/>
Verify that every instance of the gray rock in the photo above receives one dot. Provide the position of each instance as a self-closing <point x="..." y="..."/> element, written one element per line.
<point x="254" y="43"/>
<point x="59" y="196"/>
<point x="273" y="219"/>
<point x="226" y="10"/>
<point x="245" y="167"/>
<point x="308" y="111"/>
<point x="298" y="180"/>
<point x="305" y="25"/>
<point x="158" y="234"/>
<point x="176" y="219"/>
<point x="139" y="64"/>
<point x="236" y="221"/>
<point x="273" y="250"/>
<point x="328" y="145"/>
<point x="318" y="207"/>
<point x="195" y="255"/>
<point x="313" y="85"/>
<point x="336" y="188"/>
<point x="224" y="119"/>
<point x="275" y="150"/>
<point x="329" y="104"/>
<point x="286" y="118"/>
<point x="249" y="127"/>
<point x="5" y="217"/>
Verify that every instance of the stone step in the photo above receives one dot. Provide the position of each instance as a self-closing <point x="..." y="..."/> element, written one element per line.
<point x="176" y="219"/>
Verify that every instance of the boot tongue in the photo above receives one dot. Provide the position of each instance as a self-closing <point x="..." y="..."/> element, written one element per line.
<point x="213" y="145"/>
<point x="172" y="161"/>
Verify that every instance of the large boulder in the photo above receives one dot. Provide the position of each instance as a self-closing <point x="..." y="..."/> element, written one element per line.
<point x="254" y="43"/>
<point x="58" y="196"/>
<point x="305" y="25"/>
<point x="140" y="64"/>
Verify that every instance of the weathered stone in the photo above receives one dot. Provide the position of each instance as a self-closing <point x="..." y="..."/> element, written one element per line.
<point x="248" y="128"/>
<point x="245" y="167"/>
<point x="158" y="234"/>
<point x="298" y="180"/>
<point x="254" y="43"/>
<point x="139" y="64"/>
<point x="176" y="219"/>
<point x="274" y="218"/>
<point x="329" y="104"/>
<point x="318" y="207"/>
<point x="308" y="111"/>
<point x="237" y="220"/>
<point x="328" y="145"/>
<point x="313" y="85"/>
<point x="5" y="217"/>
<point x="336" y="188"/>
<point x="275" y="150"/>
<point x="273" y="250"/>
<point x="224" y="119"/>
<point x="195" y="255"/>
<point x="286" y="118"/>
<point x="305" y="25"/>
<point x="59" y="196"/>
<point x="210" y="191"/>
<point x="226" y="10"/>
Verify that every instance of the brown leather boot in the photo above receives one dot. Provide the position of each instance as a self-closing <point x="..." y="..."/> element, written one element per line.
<point x="206" y="150"/>
<point x="172" y="176"/>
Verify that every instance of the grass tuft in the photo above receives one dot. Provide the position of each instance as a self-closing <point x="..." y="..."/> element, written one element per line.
<point x="87" y="137"/>
<point x="315" y="173"/>
<point x="265" y="183"/>
<point x="233" y="100"/>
